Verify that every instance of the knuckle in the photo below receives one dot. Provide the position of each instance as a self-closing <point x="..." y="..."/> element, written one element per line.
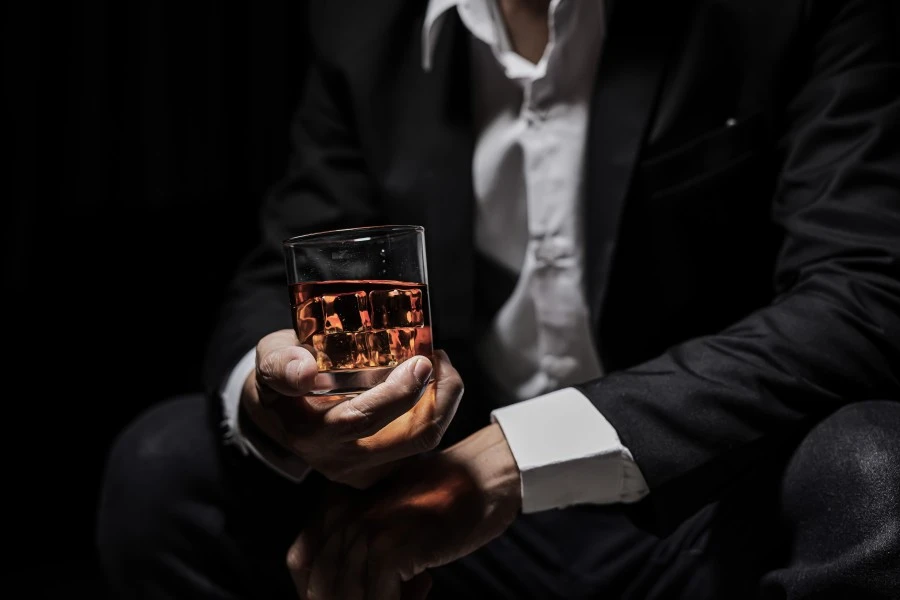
<point x="355" y="419"/>
<point x="402" y="389"/>
<point x="413" y="387"/>
<point x="266" y="365"/>
<point x="293" y="560"/>
<point x="457" y="387"/>
<point x="406" y="570"/>
<point x="405" y="383"/>
<point x="430" y="436"/>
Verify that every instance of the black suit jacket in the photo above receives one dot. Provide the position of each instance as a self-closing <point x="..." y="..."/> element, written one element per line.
<point x="742" y="220"/>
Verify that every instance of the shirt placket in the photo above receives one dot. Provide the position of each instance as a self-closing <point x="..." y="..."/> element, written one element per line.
<point x="549" y="249"/>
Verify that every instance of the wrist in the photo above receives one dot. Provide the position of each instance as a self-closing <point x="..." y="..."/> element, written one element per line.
<point x="493" y="465"/>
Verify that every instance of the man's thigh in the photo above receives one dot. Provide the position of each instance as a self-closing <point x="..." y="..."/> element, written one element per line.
<point x="589" y="552"/>
<point x="581" y="553"/>
<point x="184" y="516"/>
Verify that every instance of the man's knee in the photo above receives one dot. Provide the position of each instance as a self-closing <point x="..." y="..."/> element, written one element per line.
<point x="849" y="463"/>
<point x="156" y="470"/>
<point x="857" y="441"/>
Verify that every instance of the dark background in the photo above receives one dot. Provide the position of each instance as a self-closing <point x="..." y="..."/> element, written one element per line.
<point x="143" y="135"/>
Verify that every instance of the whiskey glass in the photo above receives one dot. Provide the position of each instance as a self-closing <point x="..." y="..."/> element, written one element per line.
<point x="359" y="302"/>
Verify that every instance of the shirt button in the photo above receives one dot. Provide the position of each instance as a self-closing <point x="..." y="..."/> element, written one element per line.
<point x="558" y="367"/>
<point x="550" y="250"/>
<point x="533" y="117"/>
<point x="543" y="255"/>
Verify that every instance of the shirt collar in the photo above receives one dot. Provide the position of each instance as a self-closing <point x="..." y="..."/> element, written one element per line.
<point x="475" y="14"/>
<point x="431" y="28"/>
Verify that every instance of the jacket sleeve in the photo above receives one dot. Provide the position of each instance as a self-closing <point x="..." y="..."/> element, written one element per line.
<point x="698" y="414"/>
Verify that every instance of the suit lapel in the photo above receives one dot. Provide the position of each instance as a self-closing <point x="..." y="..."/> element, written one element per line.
<point x="447" y="139"/>
<point x="626" y="89"/>
<point x="628" y="81"/>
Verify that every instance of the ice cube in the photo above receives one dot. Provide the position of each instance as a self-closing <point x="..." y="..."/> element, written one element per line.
<point x="308" y="319"/>
<point x="346" y="312"/>
<point x="344" y="350"/>
<point x="396" y="308"/>
<point x="323" y="361"/>
<point x="390" y="347"/>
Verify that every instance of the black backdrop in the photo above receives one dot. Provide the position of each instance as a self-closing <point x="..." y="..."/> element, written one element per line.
<point x="143" y="136"/>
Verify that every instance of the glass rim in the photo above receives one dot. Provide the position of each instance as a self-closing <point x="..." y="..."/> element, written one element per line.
<point x="352" y="234"/>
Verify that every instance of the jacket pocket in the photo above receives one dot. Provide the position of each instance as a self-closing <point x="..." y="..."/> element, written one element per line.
<point x="705" y="159"/>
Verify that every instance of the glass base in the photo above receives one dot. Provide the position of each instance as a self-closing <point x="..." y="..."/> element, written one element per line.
<point x="349" y="382"/>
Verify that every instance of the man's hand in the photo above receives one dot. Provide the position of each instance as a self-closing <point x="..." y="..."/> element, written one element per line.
<point x="353" y="441"/>
<point x="378" y="545"/>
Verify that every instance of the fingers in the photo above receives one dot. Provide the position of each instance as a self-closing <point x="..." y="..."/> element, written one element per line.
<point x="383" y="583"/>
<point x="324" y="573"/>
<point x="422" y="428"/>
<point x="345" y="570"/>
<point x="336" y="505"/>
<point x="301" y="555"/>
<point x="370" y="411"/>
<point x="283" y="366"/>
<point x="351" y="583"/>
<point x="385" y="580"/>
<point x="331" y="565"/>
<point x="349" y="441"/>
<point x="450" y="389"/>
<point x="300" y="576"/>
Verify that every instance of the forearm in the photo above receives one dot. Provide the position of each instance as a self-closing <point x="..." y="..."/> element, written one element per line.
<point x="698" y="408"/>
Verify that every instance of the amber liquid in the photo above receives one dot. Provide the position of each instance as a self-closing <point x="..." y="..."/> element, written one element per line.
<point x="360" y="329"/>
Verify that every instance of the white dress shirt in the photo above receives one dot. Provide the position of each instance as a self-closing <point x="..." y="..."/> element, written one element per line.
<point x="527" y="174"/>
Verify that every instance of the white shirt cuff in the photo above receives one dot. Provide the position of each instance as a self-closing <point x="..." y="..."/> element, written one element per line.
<point x="289" y="466"/>
<point x="568" y="453"/>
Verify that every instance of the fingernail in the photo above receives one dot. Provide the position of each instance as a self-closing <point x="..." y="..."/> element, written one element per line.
<point x="297" y="365"/>
<point x="422" y="370"/>
<point x="294" y="366"/>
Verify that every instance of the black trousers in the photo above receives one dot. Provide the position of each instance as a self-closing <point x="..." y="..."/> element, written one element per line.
<point x="183" y="516"/>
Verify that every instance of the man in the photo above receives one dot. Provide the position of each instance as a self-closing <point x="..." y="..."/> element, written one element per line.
<point x="664" y="253"/>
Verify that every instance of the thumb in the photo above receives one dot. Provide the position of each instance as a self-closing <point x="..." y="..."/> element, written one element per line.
<point x="284" y="366"/>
